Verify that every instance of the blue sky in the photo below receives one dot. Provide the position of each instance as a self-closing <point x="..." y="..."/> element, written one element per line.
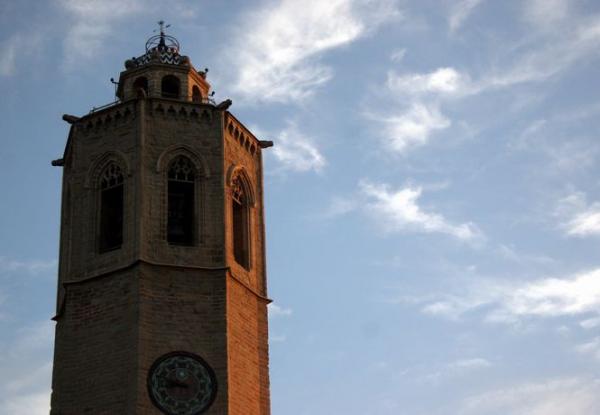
<point x="433" y="196"/>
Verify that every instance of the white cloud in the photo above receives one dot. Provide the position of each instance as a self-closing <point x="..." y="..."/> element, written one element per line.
<point x="398" y="55"/>
<point x="415" y="113"/>
<point x="398" y="210"/>
<point x="457" y="368"/>
<point x="26" y="368"/>
<point x="415" y="100"/>
<point x="470" y="364"/>
<point x="277" y="311"/>
<point x="295" y="151"/>
<point x="340" y="206"/>
<point x="504" y="302"/>
<point x="277" y="338"/>
<point x="33" y="266"/>
<point x="590" y="323"/>
<point x="460" y="12"/>
<point x="278" y="47"/>
<point x="545" y="13"/>
<point x="562" y="396"/>
<point x="585" y="223"/>
<point x="581" y="220"/>
<point x="442" y="80"/>
<point x="92" y="24"/>
<point x="554" y="56"/>
<point x="16" y="47"/>
<point x="28" y="404"/>
<point x="591" y="348"/>
<point x="412" y="128"/>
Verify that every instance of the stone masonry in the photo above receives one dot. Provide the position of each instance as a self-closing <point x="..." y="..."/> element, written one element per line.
<point x="118" y="311"/>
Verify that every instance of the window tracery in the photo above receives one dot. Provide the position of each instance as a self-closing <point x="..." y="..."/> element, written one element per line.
<point x="181" y="201"/>
<point x="111" y="208"/>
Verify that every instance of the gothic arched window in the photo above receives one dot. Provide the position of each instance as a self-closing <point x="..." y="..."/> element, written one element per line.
<point x="240" y="223"/>
<point x="111" y="208"/>
<point x="180" y="202"/>
<point x="169" y="86"/>
<point x="140" y="84"/>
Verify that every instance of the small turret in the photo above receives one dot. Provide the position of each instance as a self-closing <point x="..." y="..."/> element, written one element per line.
<point x="163" y="72"/>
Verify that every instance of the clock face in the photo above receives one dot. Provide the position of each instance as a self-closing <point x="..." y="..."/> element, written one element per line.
<point x="181" y="383"/>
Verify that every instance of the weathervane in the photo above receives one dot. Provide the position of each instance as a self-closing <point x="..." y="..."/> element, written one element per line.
<point x="162" y="41"/>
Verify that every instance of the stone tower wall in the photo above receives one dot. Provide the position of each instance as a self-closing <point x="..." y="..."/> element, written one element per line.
<point x="119" y="311"/>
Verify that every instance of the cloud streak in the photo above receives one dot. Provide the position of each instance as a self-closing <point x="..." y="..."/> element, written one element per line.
<point x="416" y="100"/>
<point x="460" y="12"/>
<point x="295" y="151"/>
<point x="502" y="302"/>
<point x="582" y="220"/>
<point x="92" y="23"/>
<point x="278" y="49"/>
<point x="33" y="266"/>
<point x="560" y="396"/>
<point x="399" y="211"/>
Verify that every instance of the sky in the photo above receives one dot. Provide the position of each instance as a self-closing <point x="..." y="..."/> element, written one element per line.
<point x="432" y="198"/>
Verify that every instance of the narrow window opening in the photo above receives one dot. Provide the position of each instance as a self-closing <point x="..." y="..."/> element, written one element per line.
<point x="170" y="87"/>
<point x="196" y="95"/>
<point x="240" y="224"/>
<point x="180" y="220"/>
<point x="111" y="208"/>
<point x="140" y="86"/>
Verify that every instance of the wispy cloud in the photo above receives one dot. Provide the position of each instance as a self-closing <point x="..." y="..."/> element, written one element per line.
<point x="18" y="46"/>
<point x="295" y="151"/>
<point x="416" y="99"/>
<point x="456" y="368"/>
<point x="591" y="348"/>
<point x="504" y="302"/>
<point x="399" y="210"/>
<point x="561" y="396"/>
<point x="460" y="12"/>
<point x="412" y="128"/>
<point x="278" y="311"/>
<point x="92" y="23"/>
<point x="279" y="46"/>
<point x="590" y="323"/>
<point x="545" y="13"/>
<point x="27" y="404"/>
<point x="581" y="219"/>
<point x="27" y="370"/>
<point x="32" y="266"/>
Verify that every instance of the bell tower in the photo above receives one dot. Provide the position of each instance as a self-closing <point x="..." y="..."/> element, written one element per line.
<point x="162" y="296"/>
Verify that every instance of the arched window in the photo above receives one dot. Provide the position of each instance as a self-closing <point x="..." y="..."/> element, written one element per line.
<point x="140" y="84"/>
<point x="180" y="201"/>
<point x="196" y="95"/>
<point x="170" y="86"/>
<point x="111" y="208"/>
<point x="240" y="223"/>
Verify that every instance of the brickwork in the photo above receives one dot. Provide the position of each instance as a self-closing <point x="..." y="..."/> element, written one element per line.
<point x="248" y="351"/>
<point x="95" y="349"/>
<point x="118" y="311"/>
<point x="182" y="309"/>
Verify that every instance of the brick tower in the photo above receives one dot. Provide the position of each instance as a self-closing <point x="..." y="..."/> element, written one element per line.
<point x="162" y="298"/>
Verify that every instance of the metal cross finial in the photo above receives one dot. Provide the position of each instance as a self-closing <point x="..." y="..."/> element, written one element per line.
<point x="161" y="23"/>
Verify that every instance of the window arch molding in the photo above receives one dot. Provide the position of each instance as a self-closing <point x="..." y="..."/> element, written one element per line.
<point x="171" y="153"/>
<point x="242" y="200"/>
<point x="236" y="171"/>
<point x="111" y="213"/>
<point x="201" y="173"/>
<point x="93" y="177"/>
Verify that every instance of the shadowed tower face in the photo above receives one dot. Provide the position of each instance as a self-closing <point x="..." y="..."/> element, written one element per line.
<point x="162" y="302"/>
